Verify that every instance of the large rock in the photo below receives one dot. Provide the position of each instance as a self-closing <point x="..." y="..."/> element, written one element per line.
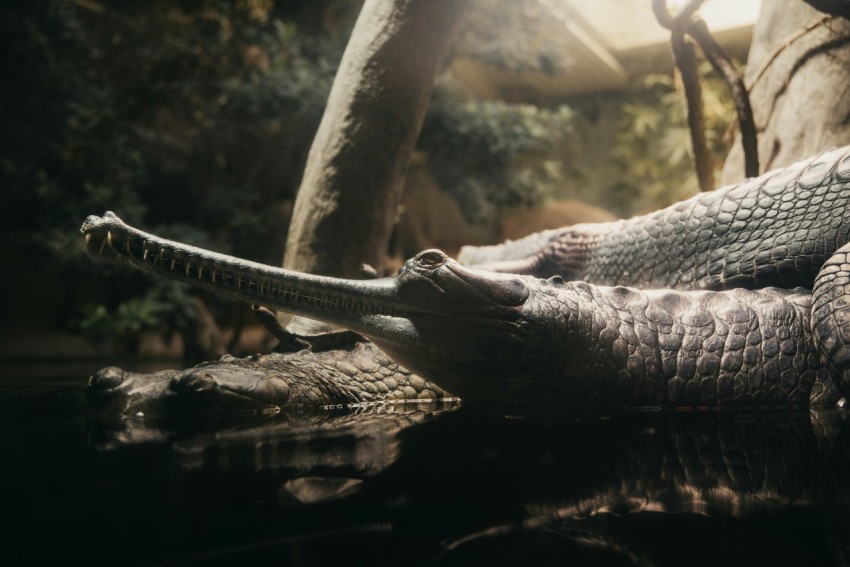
<point x="801" y="101"/>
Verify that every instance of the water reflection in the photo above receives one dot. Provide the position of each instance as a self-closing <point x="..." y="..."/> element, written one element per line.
<point x="436" y="484"/>
<point x="452" y="485"/>
<point x="360" y="440"/>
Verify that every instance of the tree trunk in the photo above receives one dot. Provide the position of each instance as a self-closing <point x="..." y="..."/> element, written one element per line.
<point x="347" y="202"/>
<point x="798" y="74"/>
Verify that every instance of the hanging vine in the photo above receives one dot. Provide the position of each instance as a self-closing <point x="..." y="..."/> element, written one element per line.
<point x="687" y="23"/>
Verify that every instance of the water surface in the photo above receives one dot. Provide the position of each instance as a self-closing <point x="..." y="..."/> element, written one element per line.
<point x="421" y="484"/>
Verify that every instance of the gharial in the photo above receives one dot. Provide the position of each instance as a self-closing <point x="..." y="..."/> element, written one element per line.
<point x="702" y="330"/>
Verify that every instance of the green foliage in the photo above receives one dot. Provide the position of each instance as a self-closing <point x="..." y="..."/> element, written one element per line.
<point x="654" y="149"/>
<point x="166" y="307"/>
<point x="171" y="114"/>
<point x="488" y="154"/>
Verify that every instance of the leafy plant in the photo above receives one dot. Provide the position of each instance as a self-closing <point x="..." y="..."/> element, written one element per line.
<point x="653" y="149"/>
<point x="155" y="110"/>
<point x="166" y="307"/>
<point x="489" y="154"/>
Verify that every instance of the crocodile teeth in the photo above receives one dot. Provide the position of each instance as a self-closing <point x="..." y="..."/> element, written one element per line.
<point x="146" y="254"/>
<point x="188" y="267"/>
<point x="109" y="238"/>
<point x="102" y="246"/>
<point x="88" y="239"/>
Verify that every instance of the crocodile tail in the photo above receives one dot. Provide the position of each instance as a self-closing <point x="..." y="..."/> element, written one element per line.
<point x="831" y="317"/>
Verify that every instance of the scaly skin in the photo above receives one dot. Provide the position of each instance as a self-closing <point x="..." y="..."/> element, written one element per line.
<point x="359" y="375"/>
<point x="624" y="347"/>
<point x="776" y="229"/>
<point x="831" y="316"/>
<point x="518" y="339"/>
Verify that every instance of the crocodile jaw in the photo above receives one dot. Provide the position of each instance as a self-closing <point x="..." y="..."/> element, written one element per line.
<point x="364" y="306"/>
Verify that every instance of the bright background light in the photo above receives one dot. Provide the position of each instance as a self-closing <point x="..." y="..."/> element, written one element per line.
<point x="630" y="24"/>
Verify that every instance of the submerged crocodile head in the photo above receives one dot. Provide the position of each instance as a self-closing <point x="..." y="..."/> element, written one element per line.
<point x="458" y="326"/>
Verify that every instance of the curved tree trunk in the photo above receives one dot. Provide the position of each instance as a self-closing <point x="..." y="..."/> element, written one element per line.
<point x="798" y="74"/>
<point x="346" y="205"/>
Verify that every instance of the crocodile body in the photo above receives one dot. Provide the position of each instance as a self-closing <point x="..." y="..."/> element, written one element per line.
<point x="495" y="337"/>
<point x="774" y="230"/>
<point x="358" y="375"/>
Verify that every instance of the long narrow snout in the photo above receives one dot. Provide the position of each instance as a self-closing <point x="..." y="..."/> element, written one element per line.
<point x="332" y="300"/>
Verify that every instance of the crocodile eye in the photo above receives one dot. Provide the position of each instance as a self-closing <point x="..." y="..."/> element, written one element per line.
<point x="430" y="259"/>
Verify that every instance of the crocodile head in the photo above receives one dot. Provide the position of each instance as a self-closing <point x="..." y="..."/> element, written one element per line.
<point x="459" y="327"/>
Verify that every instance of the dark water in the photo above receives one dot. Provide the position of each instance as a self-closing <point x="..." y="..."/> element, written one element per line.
<point x="418" y="484"/>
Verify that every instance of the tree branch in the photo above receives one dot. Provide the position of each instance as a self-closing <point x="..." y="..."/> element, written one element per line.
<point x="349" y="195"/>
<point x="680" y="20"/>
<point x="723" y="65"/>
<point x="686" y="62"/>
<point x="686" y="22"/>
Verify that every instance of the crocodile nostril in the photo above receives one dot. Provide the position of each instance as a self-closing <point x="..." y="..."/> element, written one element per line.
<point x="107" y="378"/>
